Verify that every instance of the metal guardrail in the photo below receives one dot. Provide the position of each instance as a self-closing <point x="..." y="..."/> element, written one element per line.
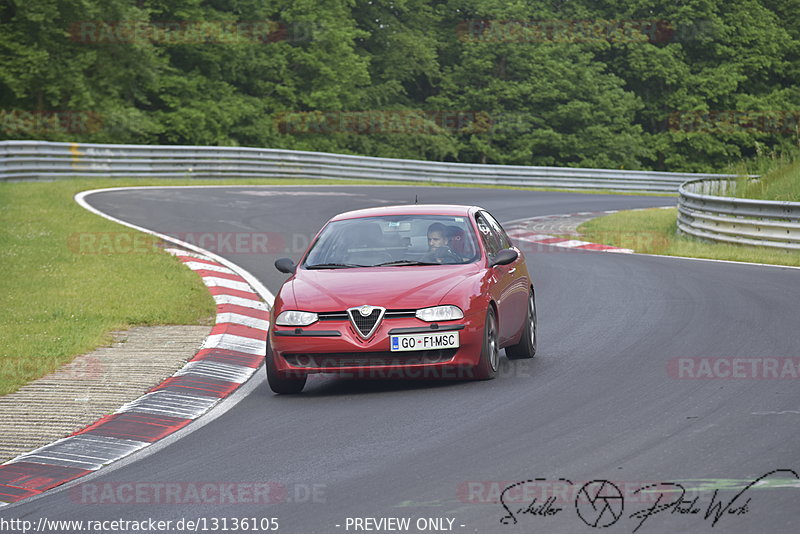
<point x="766" y="223"/>
<point x="34" y="160"/>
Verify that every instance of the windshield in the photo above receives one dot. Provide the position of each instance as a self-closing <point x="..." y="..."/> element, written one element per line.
<point x="404" y="240"/>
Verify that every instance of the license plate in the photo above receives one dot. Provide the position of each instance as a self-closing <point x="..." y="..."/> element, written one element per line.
<point x="443" y="340"/>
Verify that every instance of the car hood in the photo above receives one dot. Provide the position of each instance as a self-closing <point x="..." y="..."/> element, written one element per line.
<point x="408" y="287"/>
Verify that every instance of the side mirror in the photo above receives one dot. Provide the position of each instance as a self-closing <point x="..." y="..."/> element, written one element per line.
<point x="504" y="257"/>
<point x="285" y="265"/>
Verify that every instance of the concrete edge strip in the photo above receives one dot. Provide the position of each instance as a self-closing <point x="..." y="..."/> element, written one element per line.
<point x="189" y="393"/>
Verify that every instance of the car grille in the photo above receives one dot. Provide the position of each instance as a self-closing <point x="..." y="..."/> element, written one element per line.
<point x="366" y="325"/>
<point x="343" y="316"/>
<point x="368" y="359"/>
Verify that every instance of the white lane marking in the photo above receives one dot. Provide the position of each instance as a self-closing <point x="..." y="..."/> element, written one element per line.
<point x="237" y="343"/>
<point x="218" y="370"/>
<point x="240" y="301"/>
<point x="213" y="281"/>
<point x="573" y="243"/>
<point x="85" y="451"/>
<point x="197" y="266"/>
<point x="262" y="193"/>
<point x="719" y="261"/>
<point x="533" y="237"/>
<point x="245" y="320"/>
<point x="172" y="404"/>
<point x="181" y="252"/>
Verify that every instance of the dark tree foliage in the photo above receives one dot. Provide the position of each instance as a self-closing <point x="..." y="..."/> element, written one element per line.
<point x="641" y="84"/>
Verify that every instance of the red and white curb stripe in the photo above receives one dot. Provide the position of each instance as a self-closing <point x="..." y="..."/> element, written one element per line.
<point x="543" y="239"/>
<point x="520" y="231"/>
<point x="228" y="358"/>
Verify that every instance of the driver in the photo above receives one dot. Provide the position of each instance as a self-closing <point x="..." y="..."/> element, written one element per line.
<point x="439" y="246"/>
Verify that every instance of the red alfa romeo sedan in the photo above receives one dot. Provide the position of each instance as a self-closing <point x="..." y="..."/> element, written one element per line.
<point x="418" y="291"/>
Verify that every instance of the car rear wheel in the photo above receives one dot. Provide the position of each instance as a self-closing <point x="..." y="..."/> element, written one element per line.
<point x="526" y="348"/>
<point x="282" y="384"/>
<point x="490" y="352"/>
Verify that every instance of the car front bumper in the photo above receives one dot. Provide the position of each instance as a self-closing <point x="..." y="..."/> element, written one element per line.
<point x="336" y="347"/>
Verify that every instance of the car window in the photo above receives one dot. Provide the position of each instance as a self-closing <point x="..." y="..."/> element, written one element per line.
<point x="498" y="229"/>
<point x="404" y="240"/>
<point x="491" y="240"/>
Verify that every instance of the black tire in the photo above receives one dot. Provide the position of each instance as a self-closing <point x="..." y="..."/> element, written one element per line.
<point x="526" y="348"/>
<point x="283" y="385"/>
<point x="490" y="351"/>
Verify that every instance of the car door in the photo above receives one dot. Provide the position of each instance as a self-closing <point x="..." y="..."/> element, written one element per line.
<point x="508" y="292"/>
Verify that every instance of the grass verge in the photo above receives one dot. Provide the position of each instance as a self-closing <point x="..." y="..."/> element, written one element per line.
<point x="654" y="231"/>
<point x="59" y="302"/>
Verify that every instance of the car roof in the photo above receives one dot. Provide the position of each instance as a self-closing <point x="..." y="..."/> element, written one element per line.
<point x="409" y="209"/>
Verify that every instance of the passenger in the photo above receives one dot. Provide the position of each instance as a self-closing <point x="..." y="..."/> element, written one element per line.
<point x="456" y="242"/>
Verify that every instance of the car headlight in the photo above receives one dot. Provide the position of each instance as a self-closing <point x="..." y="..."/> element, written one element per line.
<point x="296" y="318"/>
<point x="440" y="313"/>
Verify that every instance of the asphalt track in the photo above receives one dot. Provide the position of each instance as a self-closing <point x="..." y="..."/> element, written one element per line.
<point x="598" y="401"/>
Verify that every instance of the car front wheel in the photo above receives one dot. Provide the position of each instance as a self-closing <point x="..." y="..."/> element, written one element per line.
<point x="282" y="384"/>
<point x="526" y="348"/>
<point x="490" y="352"/>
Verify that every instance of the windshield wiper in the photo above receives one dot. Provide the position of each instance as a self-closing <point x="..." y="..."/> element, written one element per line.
<point x="406" y="262"/>
<point x="334" y="266"/>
